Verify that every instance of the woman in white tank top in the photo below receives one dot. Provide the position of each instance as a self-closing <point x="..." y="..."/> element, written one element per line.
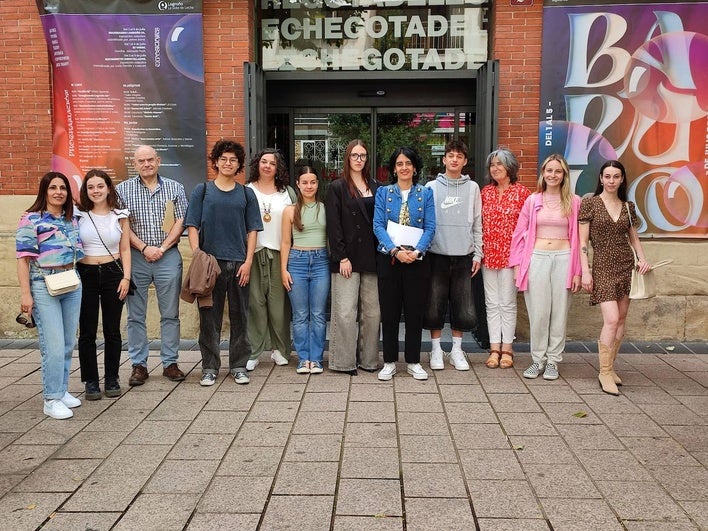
<point x="105" y="276"/>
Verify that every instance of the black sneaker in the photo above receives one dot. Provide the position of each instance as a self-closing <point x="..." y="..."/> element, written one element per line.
<point x="92" y="391"/>
<point x="112" y="388"/>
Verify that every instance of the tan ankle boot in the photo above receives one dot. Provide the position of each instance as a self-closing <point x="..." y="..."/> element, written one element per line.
<point x="615" y="350"/>
<point x="606" y="381"/>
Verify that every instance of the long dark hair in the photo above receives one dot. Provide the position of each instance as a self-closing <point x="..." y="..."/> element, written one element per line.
<point x="622" y="188"/>
<point x="347" y="168"/>
<point x="300" y="202"/>
<point x="40" y="203"/>
<point x="227" y="146"/>
<point x="412" y="154"/>
<point x="281" y="172"/>
<point x="508" y="160"/>
<point x="112" y="199"/>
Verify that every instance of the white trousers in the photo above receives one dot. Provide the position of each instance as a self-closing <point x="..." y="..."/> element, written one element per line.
<point x="548" y="301"/>
<point x="500" y="298"/>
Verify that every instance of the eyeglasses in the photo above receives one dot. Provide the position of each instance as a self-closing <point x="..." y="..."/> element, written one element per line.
<point x="24" y="321"/>
<point x="357" y="156"/>
<point x="225" y="160"/>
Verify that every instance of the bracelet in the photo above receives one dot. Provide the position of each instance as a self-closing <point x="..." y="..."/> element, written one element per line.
<point x="343" y="260"/>
<point x="125" y="278"/>
<point x="143" y="249"/>
<point x="396" y="251"/>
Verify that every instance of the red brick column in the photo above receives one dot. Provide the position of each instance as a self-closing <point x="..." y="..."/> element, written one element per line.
<point x="516" y="43"/>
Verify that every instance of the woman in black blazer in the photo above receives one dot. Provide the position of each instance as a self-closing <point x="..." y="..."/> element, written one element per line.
<point x="352" y="246"/>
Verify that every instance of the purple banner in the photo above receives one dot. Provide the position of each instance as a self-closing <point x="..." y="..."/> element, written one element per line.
<point x="134" y="76"/>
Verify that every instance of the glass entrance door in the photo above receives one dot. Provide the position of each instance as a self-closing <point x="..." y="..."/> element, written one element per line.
<point x="426" y="132"/>
<point x="320" y="136"/>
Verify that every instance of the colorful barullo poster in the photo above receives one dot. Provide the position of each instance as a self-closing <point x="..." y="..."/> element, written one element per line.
<point x="629" y="81"/>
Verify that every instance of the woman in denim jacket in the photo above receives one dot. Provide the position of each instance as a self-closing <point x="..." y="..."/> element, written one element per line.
<point x="403" y="271"/>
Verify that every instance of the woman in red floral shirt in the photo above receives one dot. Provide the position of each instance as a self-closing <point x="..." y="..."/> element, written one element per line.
<point x="502" y="200"/>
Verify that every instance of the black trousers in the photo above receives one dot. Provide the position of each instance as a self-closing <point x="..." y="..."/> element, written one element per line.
<point x="99" y="288"/>
<point x="402" y="286"/>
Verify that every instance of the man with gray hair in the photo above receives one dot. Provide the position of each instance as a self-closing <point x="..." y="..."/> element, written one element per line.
<point x="157" y="208"/>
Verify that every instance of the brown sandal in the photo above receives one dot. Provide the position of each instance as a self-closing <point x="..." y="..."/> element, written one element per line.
<point x="507" y="359"/>
<point x="493" y="359"/>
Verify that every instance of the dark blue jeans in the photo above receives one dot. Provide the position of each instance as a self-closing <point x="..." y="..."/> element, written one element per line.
<point x="211" y="320"/>
<point x="100" y="288"/>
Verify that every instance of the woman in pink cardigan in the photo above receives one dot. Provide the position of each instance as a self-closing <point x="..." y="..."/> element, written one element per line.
<point x="545" y="255"/>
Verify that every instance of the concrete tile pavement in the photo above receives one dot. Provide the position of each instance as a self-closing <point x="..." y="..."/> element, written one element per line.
<point x="483" y="449"/>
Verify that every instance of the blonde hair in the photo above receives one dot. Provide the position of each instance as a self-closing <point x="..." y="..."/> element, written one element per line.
<point x="566" y="194"/>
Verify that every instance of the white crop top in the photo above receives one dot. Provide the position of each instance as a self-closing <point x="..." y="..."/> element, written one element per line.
<point x="109" y="228"/>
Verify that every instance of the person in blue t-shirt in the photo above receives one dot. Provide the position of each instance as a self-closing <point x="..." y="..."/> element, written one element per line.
<point x="222" y="220"/>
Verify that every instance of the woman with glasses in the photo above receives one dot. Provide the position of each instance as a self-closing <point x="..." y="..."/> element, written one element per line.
<point x="352" y="245"/>
<point x="47" y="242"/>
<point x="404" y="224"/>
<point x="268" y="306"/>
<point x="105" y="274"/>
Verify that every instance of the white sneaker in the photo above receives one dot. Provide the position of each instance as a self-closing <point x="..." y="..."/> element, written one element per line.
<point x="70" y="400"/>
<point x="459" y="360"/>
<point x="57" y="409"/>
<point x="436" y="359"/>
<point x="252" y="364"/>
<point x="417" y="371"/>
<point x="278" y="358"/>
<point x="389" y="369"/>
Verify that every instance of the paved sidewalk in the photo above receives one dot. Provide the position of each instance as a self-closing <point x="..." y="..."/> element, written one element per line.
<point x="483" y="449"/>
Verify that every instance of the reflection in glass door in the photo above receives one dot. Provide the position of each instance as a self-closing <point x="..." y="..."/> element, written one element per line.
<point x="320" y="136"/>
<point x="426" y="132"/>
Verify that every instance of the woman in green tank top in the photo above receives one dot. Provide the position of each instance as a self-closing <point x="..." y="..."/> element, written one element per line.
<point x="305" y="270"/>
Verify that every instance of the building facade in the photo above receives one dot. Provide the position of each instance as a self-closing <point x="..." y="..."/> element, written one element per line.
<point x="276" y="74"/>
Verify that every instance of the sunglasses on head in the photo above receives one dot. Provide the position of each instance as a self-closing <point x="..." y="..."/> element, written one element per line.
<point x="24" y="321"/>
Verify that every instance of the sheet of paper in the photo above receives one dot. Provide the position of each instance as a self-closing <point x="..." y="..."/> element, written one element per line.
<point x="169" y="219"/>
<point x="403" y="234"/>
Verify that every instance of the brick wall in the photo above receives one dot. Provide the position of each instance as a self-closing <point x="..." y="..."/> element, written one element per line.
<point x="25" y="98"/>
<point x="229" y="40"/>
<point x="516" y="43"/>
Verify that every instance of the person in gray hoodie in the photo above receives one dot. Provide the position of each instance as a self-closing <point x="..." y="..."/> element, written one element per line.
<point x="455" y="256"/>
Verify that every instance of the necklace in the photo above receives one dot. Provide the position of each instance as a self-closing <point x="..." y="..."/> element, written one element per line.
<point x="266" y="212"/>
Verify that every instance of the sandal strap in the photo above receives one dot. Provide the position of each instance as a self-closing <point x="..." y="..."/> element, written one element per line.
<point x="507" y="353"/>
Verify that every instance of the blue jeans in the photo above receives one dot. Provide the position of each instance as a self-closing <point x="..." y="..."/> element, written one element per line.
<point x="166" y="274"/>
<point x="308" y="298"/>
<point x="57" y="319"/>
